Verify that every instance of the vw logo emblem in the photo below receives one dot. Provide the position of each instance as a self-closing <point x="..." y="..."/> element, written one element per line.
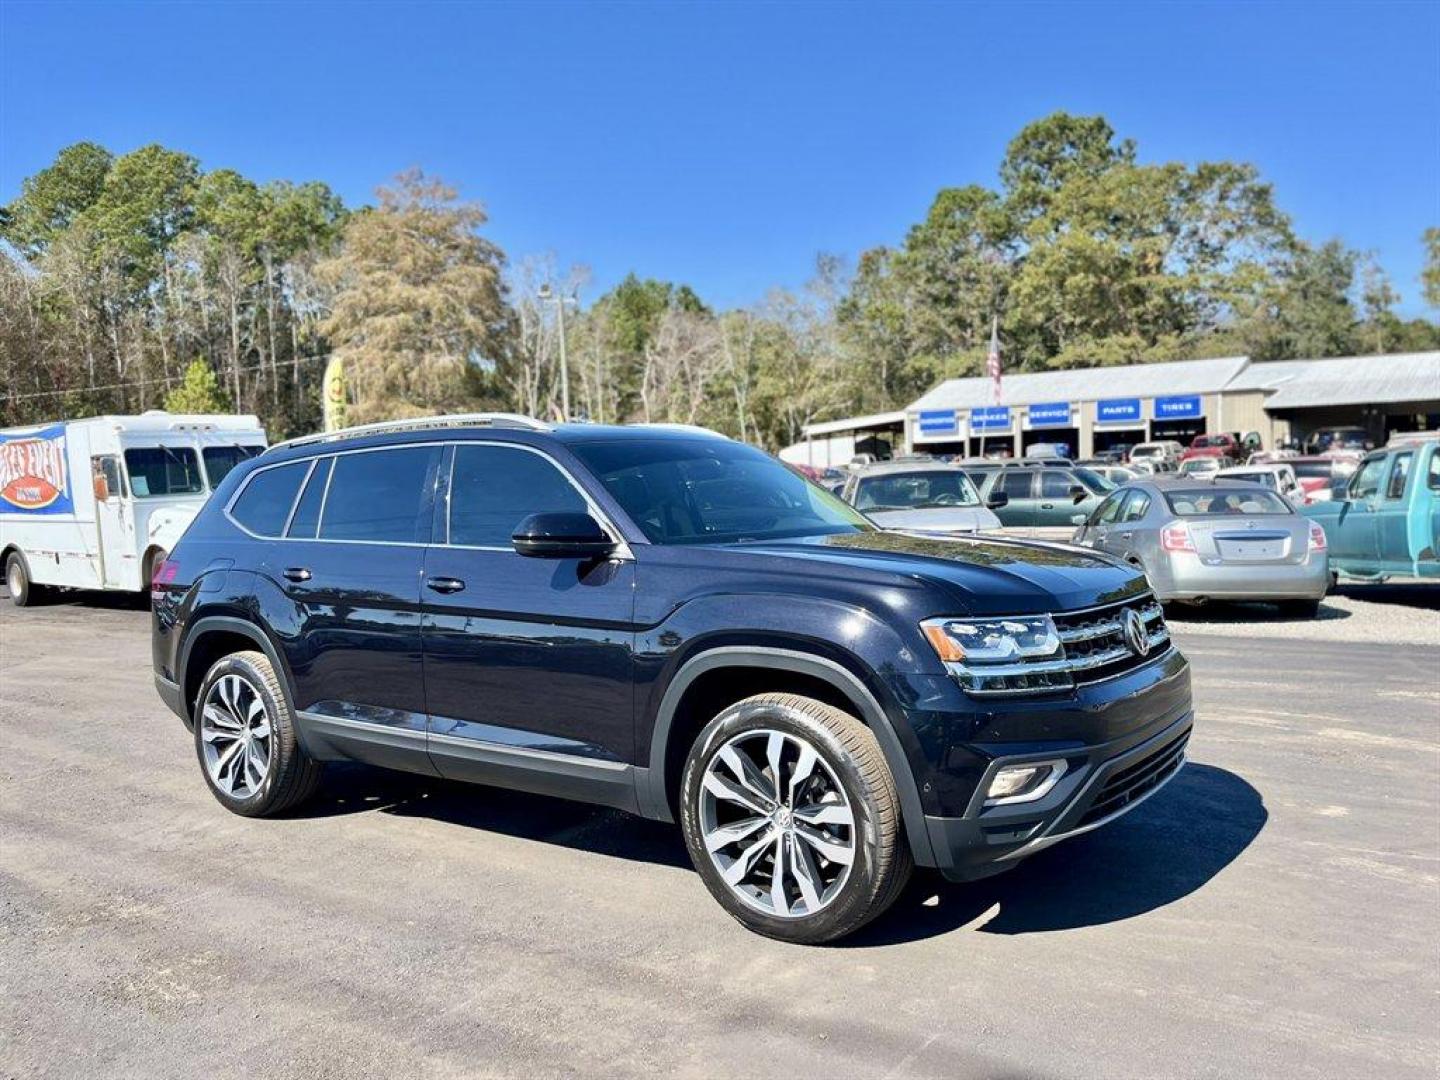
<point x="1133" y="627"/>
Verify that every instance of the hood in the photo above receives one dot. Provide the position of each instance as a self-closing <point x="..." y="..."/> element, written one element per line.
<point x="939" y="519"/>
<point x="981" y="575"/>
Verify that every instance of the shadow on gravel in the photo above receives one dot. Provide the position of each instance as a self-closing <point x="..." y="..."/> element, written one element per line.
<point x="1163" y="851"/>
<point x="355" y="789"/>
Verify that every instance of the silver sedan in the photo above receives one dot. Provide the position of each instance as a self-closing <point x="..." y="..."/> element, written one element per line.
<point x="1200" y="540"/>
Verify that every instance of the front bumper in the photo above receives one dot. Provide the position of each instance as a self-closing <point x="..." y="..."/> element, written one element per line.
<point x="1102" y="782"/>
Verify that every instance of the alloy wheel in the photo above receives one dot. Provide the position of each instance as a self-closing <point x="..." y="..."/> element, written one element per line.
<point x="235" y="731"/>
<point x="777" y="823"/>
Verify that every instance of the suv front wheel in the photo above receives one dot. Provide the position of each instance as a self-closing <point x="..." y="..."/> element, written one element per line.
<point x="792" y="818"/>
<point x="245" y="739"/>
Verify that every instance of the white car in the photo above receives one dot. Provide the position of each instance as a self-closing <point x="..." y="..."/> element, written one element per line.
<point x="933" y="497"/>
<point x="1277" y="477"/>
<point x="1164" y="450"/>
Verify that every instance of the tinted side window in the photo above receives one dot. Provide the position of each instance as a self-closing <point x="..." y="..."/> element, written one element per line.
<point x="1015" y="483"/>
<point x="163" y="470"/>
<point x="1399" y="473"/>
<point x="494" y="488"/>
<point x="377" y="495"/>
<point x="1055" y="485"/>
<point x="307" y="513"/>
<point x="264" y="506"/>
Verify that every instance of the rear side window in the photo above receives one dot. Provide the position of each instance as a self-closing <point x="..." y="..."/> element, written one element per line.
<point x="377" y="494"/>
<point x="1014" y="483"/>
<point x="1136" y="506"/>
<point x="307" y="511"/>
<point x="264" y="505"/>
<point x="1399" y="473"/>
<point x="494" y="488"/>
<point x="1432" y="475"/>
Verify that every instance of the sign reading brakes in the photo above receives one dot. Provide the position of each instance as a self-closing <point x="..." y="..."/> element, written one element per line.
<point x="33" y="477"/>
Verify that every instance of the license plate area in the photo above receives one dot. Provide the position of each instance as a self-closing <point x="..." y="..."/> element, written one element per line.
<point x="1251" y="550"/>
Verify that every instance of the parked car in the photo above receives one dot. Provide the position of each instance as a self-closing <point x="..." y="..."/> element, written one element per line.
<point x="1339" y="438"/>
<point x="676" y="625"/>
<point x="1201" y="541"/>
<point x="1277" y="477"/>
<point x="1204" y="466"/>
<point x="1049" y="450"/>
<point x="1221" y="444"/>
<point x="1316" y="476"/>
<point x="1040" y="502"/>
<point x="1116" y="474"/>
<point x="1386" y="520"/>
<point x="1167" y="450"/>
<point x="1116" y="455"/>
<point x="920" y="497"/>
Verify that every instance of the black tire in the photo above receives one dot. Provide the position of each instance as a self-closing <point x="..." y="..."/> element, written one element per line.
<point x="1299" y="609"/>
<point x="882" y="861"/>
<point x="22" y="591"/>
<point x="292" y="776"/>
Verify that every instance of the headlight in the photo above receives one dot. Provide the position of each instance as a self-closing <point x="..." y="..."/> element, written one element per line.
<point x="1001" y="655"/>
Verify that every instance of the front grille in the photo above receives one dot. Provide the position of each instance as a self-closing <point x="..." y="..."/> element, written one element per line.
<point x="1092" y="646"/>
<point x="1094" y="640"/>
<point x="1135" y="781"/>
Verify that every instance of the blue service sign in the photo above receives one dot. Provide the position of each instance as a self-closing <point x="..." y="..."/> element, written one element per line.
<point x="1117" y="410"/>
<point x="1051" y="414"/>
<point x="988" y="419"/>
<point x="938" y="422"/>
<point x="1183" y="407"/>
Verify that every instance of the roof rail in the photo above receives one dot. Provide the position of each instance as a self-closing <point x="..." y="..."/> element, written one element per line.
<point x="421" y="423"/>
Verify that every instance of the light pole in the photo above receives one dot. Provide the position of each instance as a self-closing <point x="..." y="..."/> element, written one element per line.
<point x="545" y="293"/>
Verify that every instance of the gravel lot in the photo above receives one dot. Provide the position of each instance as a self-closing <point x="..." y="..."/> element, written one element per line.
<point x="1402" y="614"/>
<point x="1274" y="911"/>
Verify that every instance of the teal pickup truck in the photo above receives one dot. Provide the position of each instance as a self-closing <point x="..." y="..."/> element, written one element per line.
<point x="1386" y="521"/>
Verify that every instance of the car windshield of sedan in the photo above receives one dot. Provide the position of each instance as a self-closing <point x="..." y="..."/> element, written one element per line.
<point x="712" y="490"/>
<point x="1200" y="465"/>
<point x="932" y="489"/>
<point x="1212" y="502"/>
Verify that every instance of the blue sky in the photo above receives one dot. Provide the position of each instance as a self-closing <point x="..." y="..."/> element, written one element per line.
<point x="725" y="144"/>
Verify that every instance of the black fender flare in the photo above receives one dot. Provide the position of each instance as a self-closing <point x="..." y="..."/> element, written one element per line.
<point x="650" y="782"/>
<point x="230" y="624"/>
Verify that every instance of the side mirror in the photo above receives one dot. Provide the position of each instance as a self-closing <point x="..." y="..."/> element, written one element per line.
<point x="562" y="536"/>
<point x="1079" y="519"/>
<point x="1078" y="493"/>
<point x="997" y="499"/>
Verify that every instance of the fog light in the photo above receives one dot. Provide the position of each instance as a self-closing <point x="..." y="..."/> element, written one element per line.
<point x="1023" y="783"/>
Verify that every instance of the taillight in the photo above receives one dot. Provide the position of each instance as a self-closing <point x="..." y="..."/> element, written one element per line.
<point x="1317" y="537"/>
<point x="1176" y="537"/>
<point x="164" y="573"/>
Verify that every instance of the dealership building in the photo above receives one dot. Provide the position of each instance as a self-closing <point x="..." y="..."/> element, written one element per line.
<point x="1093" y="409"/>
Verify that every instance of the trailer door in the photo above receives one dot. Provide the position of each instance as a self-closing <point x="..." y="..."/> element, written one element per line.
<point x="114" y="525"/>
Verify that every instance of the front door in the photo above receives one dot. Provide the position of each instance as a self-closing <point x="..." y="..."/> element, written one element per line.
<point x="1392" y="516"/>
<point x="527" y="660"/>
<point x="114" y="524"/>
<point x="1354" y="539"/>
<point x="349" y="569"/>
<point x="1017" y="516"/>
<point x="1055" y="506"/>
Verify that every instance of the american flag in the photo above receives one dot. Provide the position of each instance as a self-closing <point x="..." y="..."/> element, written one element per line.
<point x="992" y="361"/>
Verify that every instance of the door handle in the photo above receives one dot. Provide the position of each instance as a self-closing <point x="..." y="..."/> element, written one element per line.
<point x="297" y="573"/>
<point x="1047" y="506"/>
<point x="1127" y="535"/>
<point x="444" y="584"/>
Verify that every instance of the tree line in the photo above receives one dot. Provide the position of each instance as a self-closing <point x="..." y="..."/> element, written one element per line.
<point x="142" y="281"/>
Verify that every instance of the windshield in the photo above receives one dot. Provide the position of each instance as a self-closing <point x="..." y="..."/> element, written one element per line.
<point x="1094" y="481"/>
<point x="163" y="470"/>
<point x="1147" y="451"/>
<point x="219" y="460"/>
<point x="1213" y="502"/>
<point x="1314" y="470"/>
<point x="925" y="490"/>
<point x="1202" y="441"/>
<point x="1266" y="478"/>
<point x="707" y="490"/>
<point x="1199" y="465"/>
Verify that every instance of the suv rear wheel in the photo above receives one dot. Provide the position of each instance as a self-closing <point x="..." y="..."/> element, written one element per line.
<point x="792" y="818"/>
<point x="245" y="739"/>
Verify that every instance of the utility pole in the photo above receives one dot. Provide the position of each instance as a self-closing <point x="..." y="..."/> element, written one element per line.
<point x="546" y="293"/>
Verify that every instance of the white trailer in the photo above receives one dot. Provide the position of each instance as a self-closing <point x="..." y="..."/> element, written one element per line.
<point x="98" y="503"/>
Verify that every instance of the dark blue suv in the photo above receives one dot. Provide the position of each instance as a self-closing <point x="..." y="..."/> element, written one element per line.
<point x="666" y="621"/>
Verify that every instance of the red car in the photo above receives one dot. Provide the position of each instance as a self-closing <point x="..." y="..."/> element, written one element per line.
<point x="1213" y="446"/>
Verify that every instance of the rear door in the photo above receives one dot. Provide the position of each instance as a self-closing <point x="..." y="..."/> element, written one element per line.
<point x="1017" y="516"/>
<point x="1124" y="538"/>
<point x="1392" y="515"/>
<point x="527" y="660"/>
<point x="349" y="570"/>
